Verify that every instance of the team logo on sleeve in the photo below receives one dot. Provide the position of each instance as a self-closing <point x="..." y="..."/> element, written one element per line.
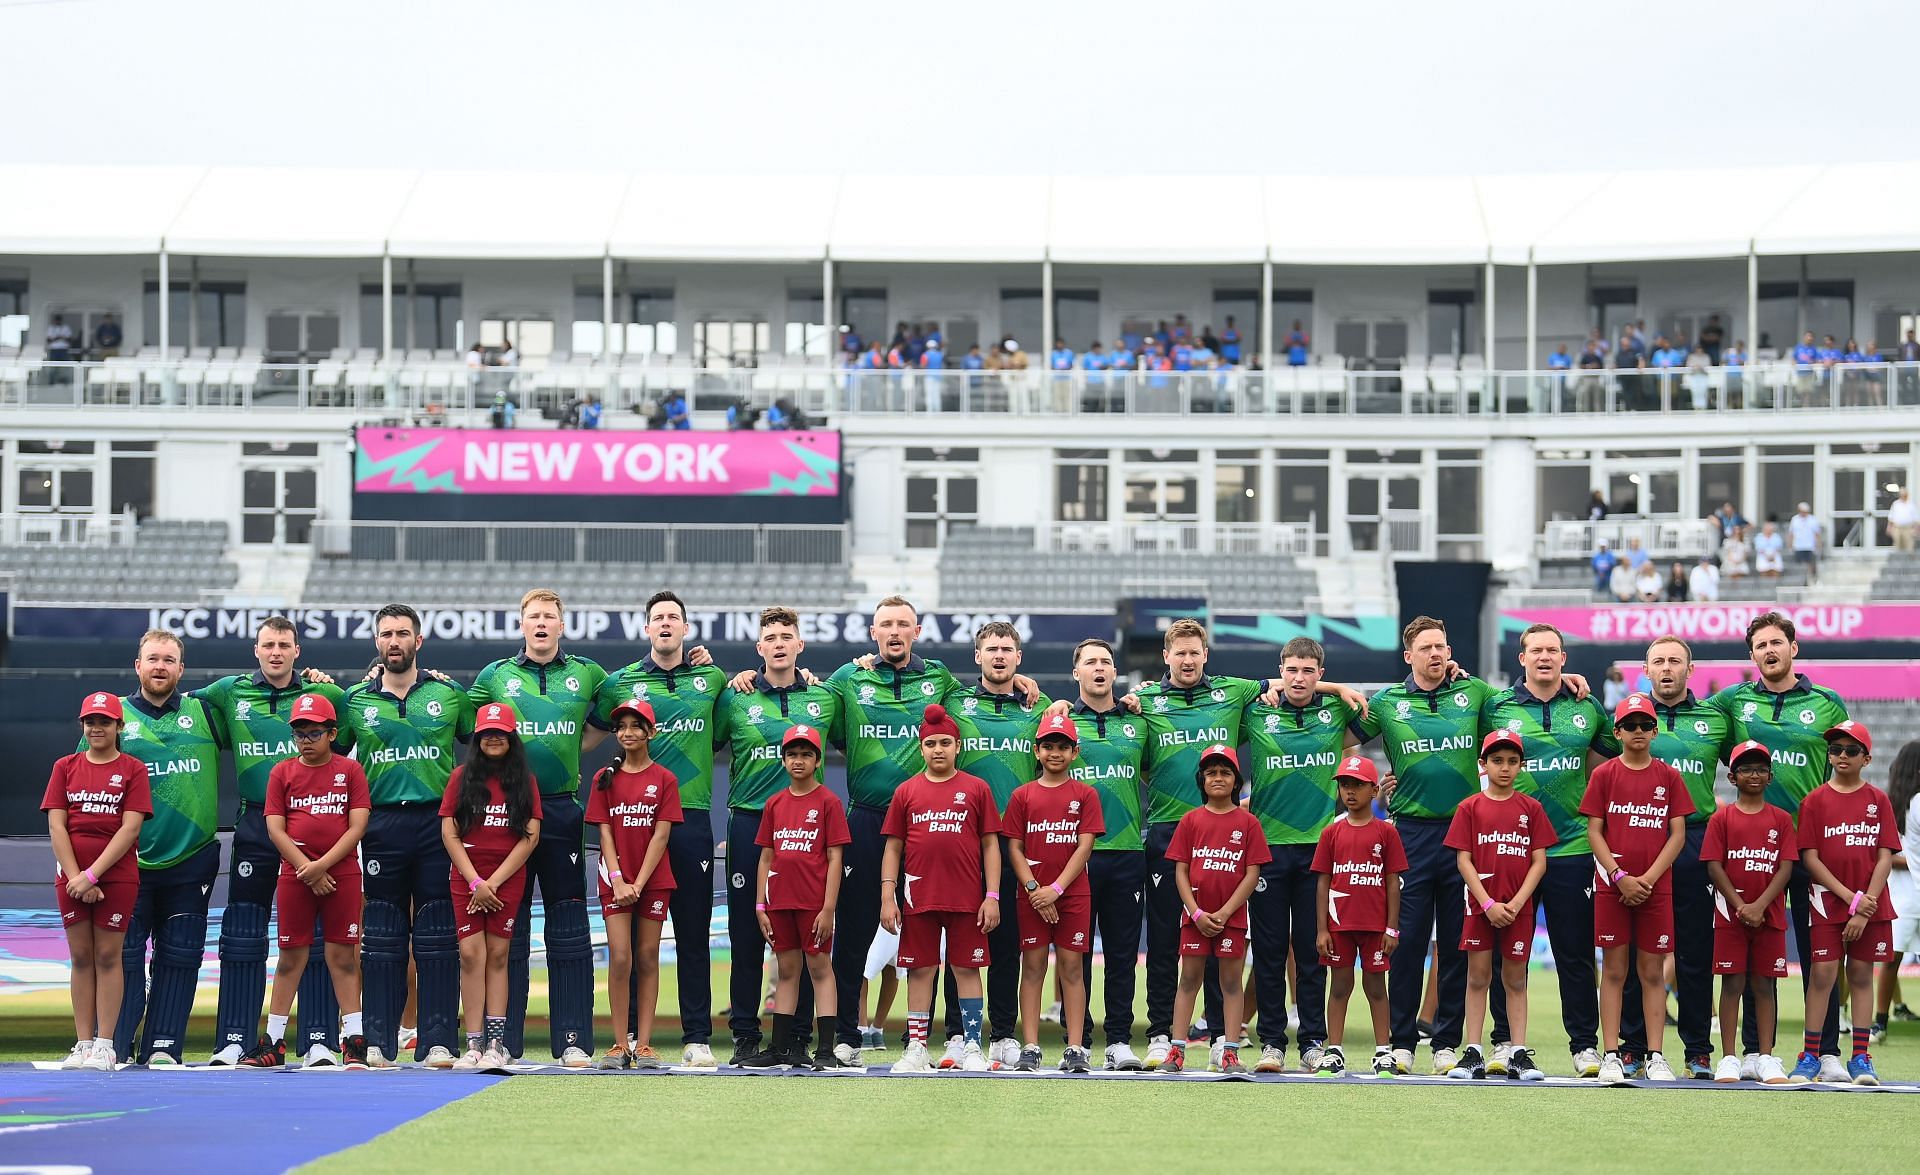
<point x="970" y="705"/>
<point x="639" y="689"/>
<point x="1402" y="709"/>
<point x="370" y="715"/>
<point x="241" y="709"/>
<point x="756" y="712"/>
<point x="1748" y="710"/>
<point x="1513" y="724"/>
<point x="1273" y="723"/>
<point x="433" y="708"/>
<point x="133" y="730"/>
<point x="866" y="694"/>
<point x="513" y="687"/>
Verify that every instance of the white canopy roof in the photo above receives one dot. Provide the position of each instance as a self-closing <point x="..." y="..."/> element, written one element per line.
<point x="1196" y="220"/>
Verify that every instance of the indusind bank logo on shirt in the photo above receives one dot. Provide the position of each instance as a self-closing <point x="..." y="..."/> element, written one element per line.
<point x="945" y="820"/>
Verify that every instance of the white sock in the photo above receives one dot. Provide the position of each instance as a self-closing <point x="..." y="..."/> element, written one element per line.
<point x="103" y="1040"/>
<point x="349" y="1024"/>
<point x="276" y="1027"/>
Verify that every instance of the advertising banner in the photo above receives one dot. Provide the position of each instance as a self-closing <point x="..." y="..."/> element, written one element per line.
<point x="1719" y="622"/>
<point x="546" y="462"/>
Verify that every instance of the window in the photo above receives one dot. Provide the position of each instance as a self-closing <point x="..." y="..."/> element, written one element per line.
<point x="131" y="471"/>
<point x="724" y="343"/>
<point x="293" y="336"/>
<point x="1076" y="319"/>
<point x="806" y="334"/>
<point x="531" y="337"/>
<point x="1720" y="479"/>
<point x="1453" y="323"/>
<point x="943" y="490"/>
<point x="865" y="310"/>
<point x="1566" y="490"/>
<point x="58" y="489"/>
<point x="648" y="328"/>
<point x="1162" y="485"/>
<point x="279" y="495"/>
<point x="1081" y="478"/>
<point x="15" y="325"/>
<point x="1614" y="309"/>
<point x="1786" y="480"/>
<point x="1828" y="310"/>
<point x="177" y="302"/>
<point x="1457" y="502"/>
<point x="433" y="323"/>
<point x="1303" y="481"/>
<point x="1236" y="487"/>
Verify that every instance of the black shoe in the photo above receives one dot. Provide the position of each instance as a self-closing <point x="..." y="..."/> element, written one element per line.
<point x="763" y="1059"/>
<point x="744" y="1051"/>
<point x="353" y="1050"/>
<point x="267" y="1054"/>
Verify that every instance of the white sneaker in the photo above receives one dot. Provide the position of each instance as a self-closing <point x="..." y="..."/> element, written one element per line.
<point x="956" y="1049"/>
<point x="378" y="1059"/>
<point x="227" y="1057"/>
<point x="698" y="1056"/>
<point x="1834" y="1070"/>
<point x="916" y="1059"/>
<point x="1728" y="1072"/>
<point x="1272" y="1060"/>
<point x="575" y="1057"/>
<point x="1657" y="1068"/>
<point x="972" y="1060"/>
<point x="162" y="1059"/>
<point x="439" y="1057"/>
<point x="1445" y="1060"/>
<point x="1310" y="1058"/>
<point x="319" y="1057"/>
<point x="1122" y="1059"/>
<point x="1771" y="1071"/>
<point x="1586" y="1063"/>
<point x="847" y="1056"/>
<point x="1750" y="1067"/>
<point x="1157" y="1052"/>
<point x="409" y="1040"/>
<point x="100" y="1056"/>
<point x="468" y="1060"/>
<point x="1611" y="1072"/>
<point x="493" y="1057"/>
<point x="1005" y="1053"/>
<point x="1497" y="1064"/>
<point x="77" y="1056"/>
<point x="1402" y="1060"/>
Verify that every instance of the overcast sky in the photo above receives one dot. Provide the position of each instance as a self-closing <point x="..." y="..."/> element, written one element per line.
<point x="1110" y="86"/>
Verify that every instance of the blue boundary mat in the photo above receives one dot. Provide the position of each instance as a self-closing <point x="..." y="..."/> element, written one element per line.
<point x="136" y="1120"/>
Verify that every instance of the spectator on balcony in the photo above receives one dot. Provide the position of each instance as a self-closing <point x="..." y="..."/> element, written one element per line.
<point x="679" y="416"/>
<point x="1666" y="355"/>
<point x="1560" y="360"/>
<point x="1181" y="332"/>
<point x="1597" y="343"/>
<point x="59" y="340"/>
<point x="1729" y="520"/>
<point x="590" y="411"/>
<point x="850" y="345"/>
<point x="1229" y="347"/>
<point x="1590" y="392"/>
<point x="1620" y="582"/>
<point x="1704" y="582"/>
<point x="1829" y="352"/>
<point x="1677" y="584"/>
<point x="1597" y="508"/>
<point x="1298" y="344"/>
<point x="1603" y="563"/>
<point x="1181" y="355"/>
<point x="971" y="362"/>
<point x="1910" y="349"/>
<point x="1736" y="355"/>
<point x="107" y="337"/>
<point x="502" y="413"/>
<point x="1713" y="339"/>
<point x="1628" y="362"/>
<point x="1636" y="555"/>
<point x="1094" y="362"/>
<point x="1698" y="380"/>
<point x="1204" y="356"/>
<point x="1061" y="360"/>
<point x="933" y="360"/>
<point x="1647" y="583"/>
<point x="1807" y="354"/>
<point x="1120" y="358"/>
<point x="1616" y="690"/>
<point x="1804" y="534"/>
<point x="1735" y="554"/>
<point x="1767" y="548"/>
<point x="1903" y="521"/>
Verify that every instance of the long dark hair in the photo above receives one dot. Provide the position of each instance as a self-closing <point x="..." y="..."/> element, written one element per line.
<point x="1903" y="781"/>
<point x="516" y="785"/>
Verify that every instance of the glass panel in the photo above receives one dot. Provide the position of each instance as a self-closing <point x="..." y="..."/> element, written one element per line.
<point x="1390" y="340"/>
<point x="923" y="533"/>
<point x="1304" y="495"/>
<point x="1403" y="493"/>
<point x="1182" y="497"/>
<point x="1235" y="493"/>
<point x="76" y="489"/>
<point x="1363" y="497"/>
<point x="36" y="489"/>
<point x="1719" y="482"/>
<point x="1350" y="339"/>
<point x="923" y="495"/>
<point x="1143" y="496"/>
<point x="133" y="485"/>
<point x="300" y="489"/>
<point x="256" y="528"/>
<point x="259" y="489"/>
<point x="1020" y="319"/>
<point x="1457" y="499"/>
<point x="283" y="334"/>
<point x="1076" y="317"/>
<point x="963" y="495"/>
<point x="299" y="527"/>
<point x="866" y="312"/>
<point x="1082" y="493"/>
<point x="1783" y="485"/>
<point x="1623" y="493"/>
<point x="1663" y="493"/>
<point x="323" y="333"/>
<point x="1849" y="489"/>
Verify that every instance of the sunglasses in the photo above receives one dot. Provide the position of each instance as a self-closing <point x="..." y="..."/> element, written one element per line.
<point x="308" y="734"/>
<point x="1845" y="749"/>
<point x="1638" y="727"/>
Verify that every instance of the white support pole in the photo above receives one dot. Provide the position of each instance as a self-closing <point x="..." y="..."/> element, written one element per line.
<point x="606" y="309"/>
<point x="1753" y="298"/>
<point x="386" y="306"/>
<point x="1532" y="359"/>
<point x="1486" y="331"/>
<point x="1266" y="319"/>
<point x="193" y="302"/>
<point x="166" y="307"/>
<point x="1043" y="354"/>
<point x="828" y="318"/>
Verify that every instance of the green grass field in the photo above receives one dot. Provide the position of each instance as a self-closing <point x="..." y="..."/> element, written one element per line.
<point x="541" y="1124"/>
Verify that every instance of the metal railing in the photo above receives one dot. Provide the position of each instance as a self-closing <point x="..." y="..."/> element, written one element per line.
<point x="1191" y="538"/>
<point x="1661" y="538"/>
<point x="426" y="392"/>
<point x="54" y="529"/>
<point x="647" y="543"/>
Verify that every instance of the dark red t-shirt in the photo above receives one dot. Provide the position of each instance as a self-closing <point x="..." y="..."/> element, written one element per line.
<point x="315" y="802"/>
<point x="631" y="804"/>
<point x="1848" y="830"/>
<point x="1218" y="847"/>
<point x="1751" y="847"/>
<point x="800" y="830"/>
<point x="1501" y="835"/>
<point x="94" y="795"/>
<point x="1357" y="860"/>
<point x="1049" y="822"/>
<point x="940" y="825"/>
<point x="1636" y="810"/>
<point x="489" y="840"/>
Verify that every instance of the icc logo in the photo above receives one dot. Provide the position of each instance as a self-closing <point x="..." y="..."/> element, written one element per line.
<point x="1660" y="792"/>
<point x="1236" y="836"/>
<point x="756" y="712"/>
<point x="242" y="709"/>
<point x="371" y="716"/>
<point x="1402" y="709"/>
<point x="1523" y="819"/>
<point x="115" y="919"/>
<point x="1873" y="809"/>
<point x="639" y="689"/>
<point x="813" y="815"/>
<point x="1273" y="723"/>
<point x="1519" y="948"/>
<point x="353" y="928"/>
<point x="1376" y="850"/>
<point x="1663" y="940"/>
<point x="1073" y="807"/>
<point x="513" y="685"/>
<point x="1773" y="835"/>
<point x="866" y="693"/>
<point x="1226" y="944"/>
<point x="970" y="705"/>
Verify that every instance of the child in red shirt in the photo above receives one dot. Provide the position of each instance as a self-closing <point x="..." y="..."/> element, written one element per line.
<point x="1749" y="852"/>
<point x="95" y="802"/>
<point x="1500" y="838"/>
<point x="636" y="803"/>
<point x="317" y="811"/>
<point x="1848" y="836"/>
<point x="942" y="833"/>
<point x="1050" y="828"/>
<point x="1359" y="860"/>
<point x="803" y="838"/>
<point x="1217" y="850"/>
<point x="1636" y="809"/>
<point x="490" y="822"/>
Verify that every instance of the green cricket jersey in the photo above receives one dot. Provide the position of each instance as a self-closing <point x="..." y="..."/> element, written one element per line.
<point x="996" y="737"/>
<point x="683" y="699"/>
<point x="1432" y="740"/>
<point x="1291" y="755"/>
<point x="552" y="702"/>
<point x="752" y="724"/>
<point x="1692" y="738"/>
<point x="1558" y="733"/>
<point x="1182" y="722"/>
<point x="1792" y="725"/>
<point x="253" y="713"/>
<point x="180" y="743"/>
<point x="1113" y="755"/>
<point x="407" y="746"/>
<point x="881" y="710"/>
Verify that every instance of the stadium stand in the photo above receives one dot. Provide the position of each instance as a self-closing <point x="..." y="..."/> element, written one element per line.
<point x="1571" y="574"/>
<point x="1001" y="567"/>
<point x="1899" y="578"/>
<point x="169" y="560"/>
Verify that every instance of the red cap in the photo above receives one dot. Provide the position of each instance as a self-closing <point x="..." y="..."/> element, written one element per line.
<point x="638" y="707"/>
<point x="1750" y="747"/>
<point x="495" y="716"/>
<point x="938" y="721"/>
<point x="103" y="703"/>
<point x="800" y="734"/>
<point x="1634" y="704"/>
<point x="1059" y="726"/>
<point x="1857" y="731"/>
<point x="313" y="708"/>
<point x="1502" y="738"/>
<point x="1221" y="751"/>
<point x="1357" y="767"/>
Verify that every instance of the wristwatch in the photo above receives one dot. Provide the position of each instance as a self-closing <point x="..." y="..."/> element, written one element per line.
<point x="1031" y="886"/>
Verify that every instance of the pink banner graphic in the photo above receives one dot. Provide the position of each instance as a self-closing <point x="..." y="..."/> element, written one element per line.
<point x="1720" y="622"/>
<point x="527" y="461"/>
<point x="1853" y="680"/>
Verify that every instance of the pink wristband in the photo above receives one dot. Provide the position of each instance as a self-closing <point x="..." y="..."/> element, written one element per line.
<point x="1198" y="914"/>
<point x="474" y="885"/>
<point x="1617" y="875"/>
<point x="92" y="880"/>
<point x="1390" y="932"/>
<point x="760" y="907"/>
<point x="1486" y="905"/>
<point x="614" y="878"/>
<point x="1057" y="891"/>
<point x="1853" y="908"/>
<point x="994" y="894"/>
